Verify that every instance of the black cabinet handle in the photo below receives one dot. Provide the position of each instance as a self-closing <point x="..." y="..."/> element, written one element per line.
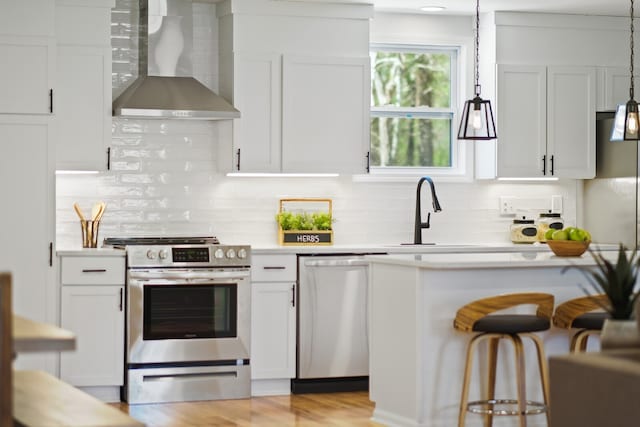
<point x="121" y="298"/>
<point x="238" y="160"/>
<point x="293" y="295"/>
<point x="50" y="254"/>
<point x="94" y="270"/>
<point x="274" y="267"/>
<point x="51" y="100"/>
<point x="544" y="164"/>
<point x="552" y="165"/>
<point x="368" y="157"/>
<point x="108" y="158"/>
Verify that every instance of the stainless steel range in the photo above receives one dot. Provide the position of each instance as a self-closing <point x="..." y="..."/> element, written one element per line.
<point x="188" y="319"/>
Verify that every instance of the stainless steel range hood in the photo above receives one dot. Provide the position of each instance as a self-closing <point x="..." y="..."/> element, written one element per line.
<point x="165" y="88"/>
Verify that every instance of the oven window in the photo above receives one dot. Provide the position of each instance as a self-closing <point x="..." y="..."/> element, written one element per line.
<point x="190" y="311"/>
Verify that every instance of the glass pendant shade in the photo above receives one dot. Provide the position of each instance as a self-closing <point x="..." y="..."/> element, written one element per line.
<point x="477" y="120"/>
<point x="626" y="123"/>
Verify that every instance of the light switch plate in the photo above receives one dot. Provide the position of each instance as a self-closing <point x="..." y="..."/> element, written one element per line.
<point x="556" y="204"/>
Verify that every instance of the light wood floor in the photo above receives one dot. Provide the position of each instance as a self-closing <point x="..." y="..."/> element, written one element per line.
<point x="313" y="410"/>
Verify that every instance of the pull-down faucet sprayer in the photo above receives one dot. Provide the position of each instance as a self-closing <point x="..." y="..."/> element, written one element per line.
<point x="419" y="225"/>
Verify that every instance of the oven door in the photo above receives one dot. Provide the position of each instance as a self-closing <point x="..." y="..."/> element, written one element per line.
<point x="188" y="315"/>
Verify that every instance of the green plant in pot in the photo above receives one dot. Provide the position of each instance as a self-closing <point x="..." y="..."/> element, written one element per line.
<point x="616" y="280"/>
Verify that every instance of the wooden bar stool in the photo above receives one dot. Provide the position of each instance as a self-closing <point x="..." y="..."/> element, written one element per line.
<point x="476" y="317"/>
<point x="579" y="313"/>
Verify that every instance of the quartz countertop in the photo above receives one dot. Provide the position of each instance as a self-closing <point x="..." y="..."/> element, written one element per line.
<point x="91" y="252"/>
<point x="413" y="249"/>
<point x="458" y="261"/>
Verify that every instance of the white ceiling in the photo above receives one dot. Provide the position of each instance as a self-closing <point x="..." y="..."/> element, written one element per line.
<point x="579" y="7"/>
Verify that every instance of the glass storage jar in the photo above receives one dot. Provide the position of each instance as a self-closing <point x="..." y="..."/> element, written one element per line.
<point x="549" y="220"/>
<point x="524" y="231"/>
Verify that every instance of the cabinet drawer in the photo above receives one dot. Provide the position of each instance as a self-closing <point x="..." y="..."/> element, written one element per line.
<point x="93" y="270"/>
<point x="273" y="268"/>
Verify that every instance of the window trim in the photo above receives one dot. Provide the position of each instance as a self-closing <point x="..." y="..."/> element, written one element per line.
<point x="461" y="152"/>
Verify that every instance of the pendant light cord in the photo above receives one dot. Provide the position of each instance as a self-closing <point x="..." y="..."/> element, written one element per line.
<point x="631" y="87"/>
<point x="477" y="47"/>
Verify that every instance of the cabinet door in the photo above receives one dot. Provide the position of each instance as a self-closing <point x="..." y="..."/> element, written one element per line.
<point x="96" y="315"/>
<point x="571" y="122"/>
<point x="257" y="94"/>
<point x="325" y="114"/>
<point x="26" y="222"/>
<point x="616" y="86"/>
<point x="273" y="330"/>
<point x="522" y="120"/>
<point x="83" y="107"/>
<point x="26" y="75"/>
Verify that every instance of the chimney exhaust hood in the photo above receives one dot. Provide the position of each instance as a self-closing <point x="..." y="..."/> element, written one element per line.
<point x="166" y="88"/>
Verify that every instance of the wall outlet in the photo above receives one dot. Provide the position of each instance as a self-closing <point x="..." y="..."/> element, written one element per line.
<point x="507" y="205"/>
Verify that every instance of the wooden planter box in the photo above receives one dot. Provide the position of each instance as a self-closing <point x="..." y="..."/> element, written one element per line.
<point x="305" y="237"/>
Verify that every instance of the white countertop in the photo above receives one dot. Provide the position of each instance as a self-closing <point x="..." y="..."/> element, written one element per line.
<point x="413" y="249"/>
<point x="91" y="252"/>
<point x="458" y="261"/>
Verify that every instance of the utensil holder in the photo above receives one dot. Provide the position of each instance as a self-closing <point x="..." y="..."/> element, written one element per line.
<point x="89" y="233"/>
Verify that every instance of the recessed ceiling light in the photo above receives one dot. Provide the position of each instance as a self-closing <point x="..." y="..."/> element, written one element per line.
<point x="432" y="8"/>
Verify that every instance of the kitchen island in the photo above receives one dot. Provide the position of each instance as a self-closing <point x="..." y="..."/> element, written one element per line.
<point x="417" y="358"/>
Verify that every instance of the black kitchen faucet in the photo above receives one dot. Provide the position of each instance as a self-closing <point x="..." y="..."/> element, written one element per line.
<point x="419" y="225"/>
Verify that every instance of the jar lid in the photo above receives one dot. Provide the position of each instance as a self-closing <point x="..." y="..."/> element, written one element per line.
<point x="523" y="221"/>
<point x="550" y="215"/>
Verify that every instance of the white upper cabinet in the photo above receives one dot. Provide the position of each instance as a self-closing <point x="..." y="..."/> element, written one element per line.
<point x="257" y="94"/>
<point x="521" y="113"/>
<point x="546" y="121"/>
<point x="615" y="83"/>
<point x="27" y="49"/>
<point x="325" y="114"/>
<point x="304" y="101"/>
<point x="26" y="75"/>
<point x="83" y="92"/>
<point x="571" y="122"/>
<point x="300" y="114"/>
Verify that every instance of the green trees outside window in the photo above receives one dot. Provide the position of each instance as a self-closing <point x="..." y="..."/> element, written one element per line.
<point x="412" y="97"/>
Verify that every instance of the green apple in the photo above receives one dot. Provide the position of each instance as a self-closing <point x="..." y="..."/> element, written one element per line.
<point x="577" y="234"/>
<point x="548" y="235"/>
<point x="560" y="235"/>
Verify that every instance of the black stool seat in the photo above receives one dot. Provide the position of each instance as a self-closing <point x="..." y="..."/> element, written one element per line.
<point x="511" y="323"/>
<point x="590" y="321"/>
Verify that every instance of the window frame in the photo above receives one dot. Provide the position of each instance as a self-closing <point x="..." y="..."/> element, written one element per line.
<point x="460" y="153"/>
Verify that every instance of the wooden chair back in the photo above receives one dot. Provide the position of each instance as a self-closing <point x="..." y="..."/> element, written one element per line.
<point x="6" y="352"/>
<point x="567" y="312"/>
<point x="469" y="314"/>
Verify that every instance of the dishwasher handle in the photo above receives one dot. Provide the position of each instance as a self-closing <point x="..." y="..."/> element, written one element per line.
<point x="353" y="262"/>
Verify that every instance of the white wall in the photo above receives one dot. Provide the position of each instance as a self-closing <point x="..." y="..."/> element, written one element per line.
<point x="165" y="181"/>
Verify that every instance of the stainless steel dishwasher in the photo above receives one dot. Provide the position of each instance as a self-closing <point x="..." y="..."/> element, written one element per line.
<point x="333" y="324"/>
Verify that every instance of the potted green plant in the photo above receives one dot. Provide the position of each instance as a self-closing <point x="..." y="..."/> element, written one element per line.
<point x="618" y="281"/>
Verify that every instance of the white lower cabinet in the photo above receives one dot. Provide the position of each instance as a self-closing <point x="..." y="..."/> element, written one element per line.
<point x="92" y="307"/>
<point x="273" y="324"/>
<point x="96" y="315"/>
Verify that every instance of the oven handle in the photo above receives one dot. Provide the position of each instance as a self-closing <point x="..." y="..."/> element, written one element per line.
<point x="169" y="275"/>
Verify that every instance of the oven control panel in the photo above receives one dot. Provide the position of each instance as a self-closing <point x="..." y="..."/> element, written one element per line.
<point x="189" y="255"/>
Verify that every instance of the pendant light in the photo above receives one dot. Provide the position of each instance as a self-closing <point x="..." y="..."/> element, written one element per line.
<point x="477" y="116"/>
<point x="625" y="126"/>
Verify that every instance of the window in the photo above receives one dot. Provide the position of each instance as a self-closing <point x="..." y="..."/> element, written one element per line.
<point x="413" y="98"/>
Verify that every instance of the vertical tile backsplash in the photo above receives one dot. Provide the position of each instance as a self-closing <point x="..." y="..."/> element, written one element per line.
<point x="164" y="179"/>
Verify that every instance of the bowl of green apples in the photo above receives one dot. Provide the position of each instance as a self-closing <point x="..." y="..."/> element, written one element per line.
<point x="570" y="241"/>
